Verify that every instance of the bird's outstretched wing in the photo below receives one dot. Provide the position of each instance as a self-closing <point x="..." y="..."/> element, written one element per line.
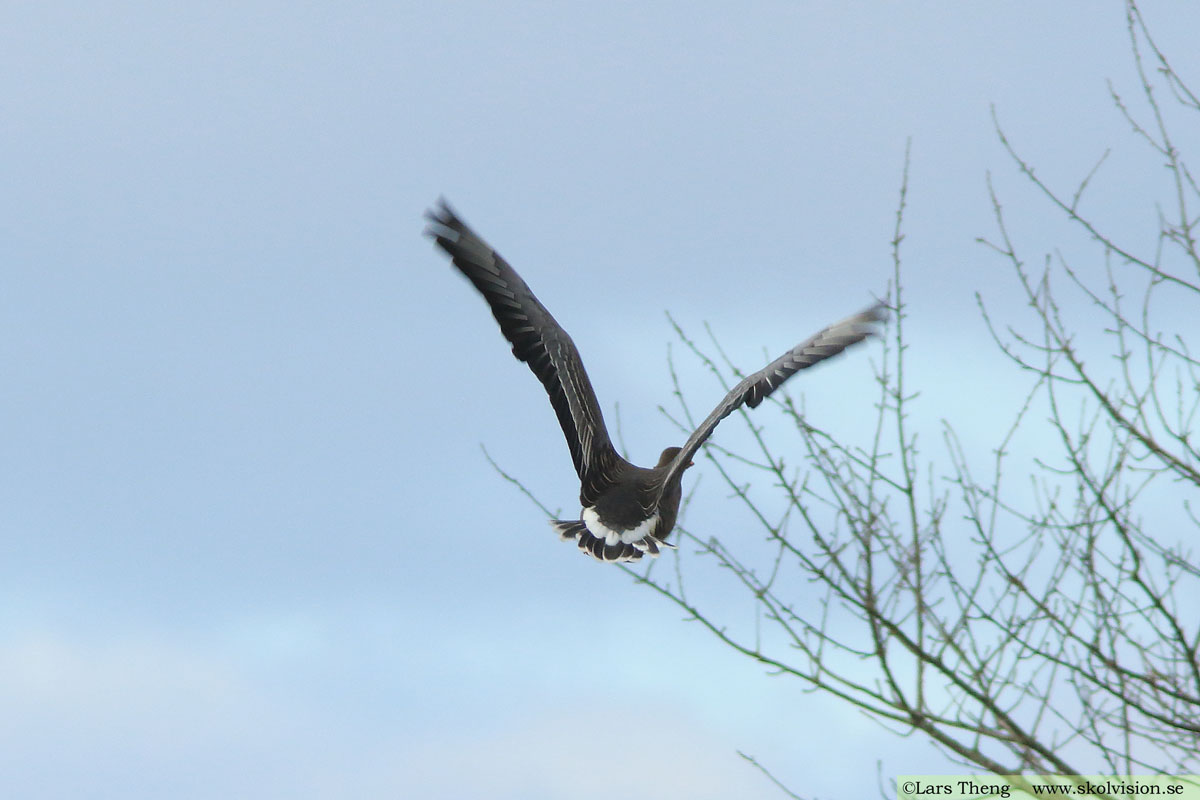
<point x="538" y="340"/>
<point x="752" y="389"/>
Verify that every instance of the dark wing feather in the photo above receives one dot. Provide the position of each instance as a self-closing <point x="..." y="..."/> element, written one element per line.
<point x="537" y="339"/>
<point x="754" y="388"/>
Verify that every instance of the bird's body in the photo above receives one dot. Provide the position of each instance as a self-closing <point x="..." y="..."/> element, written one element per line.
<point x="627" y="510"/>
<point x="631" y="515"/>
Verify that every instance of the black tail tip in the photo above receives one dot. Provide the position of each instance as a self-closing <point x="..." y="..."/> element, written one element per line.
<point x="573" y="529"/>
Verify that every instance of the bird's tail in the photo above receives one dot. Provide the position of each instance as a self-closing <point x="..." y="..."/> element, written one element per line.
<point x="574" y="529"/>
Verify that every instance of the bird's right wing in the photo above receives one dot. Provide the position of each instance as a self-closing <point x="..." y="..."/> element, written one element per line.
<point x="754" y="388"/>
<point x="537" y="339"/>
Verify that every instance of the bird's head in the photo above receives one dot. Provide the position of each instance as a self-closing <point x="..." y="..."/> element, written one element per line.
<point x="668" y="456"/>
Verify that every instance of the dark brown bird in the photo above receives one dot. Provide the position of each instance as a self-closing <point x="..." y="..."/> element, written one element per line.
<point x="627" y="510"/>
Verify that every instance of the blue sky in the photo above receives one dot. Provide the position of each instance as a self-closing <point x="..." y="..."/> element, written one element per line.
<point x="251" y="546"/>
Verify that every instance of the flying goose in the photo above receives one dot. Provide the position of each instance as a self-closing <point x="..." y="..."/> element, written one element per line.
<point x="627" y="510"/>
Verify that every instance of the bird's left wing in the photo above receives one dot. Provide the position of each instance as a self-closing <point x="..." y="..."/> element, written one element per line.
<point x="538" y="340"/>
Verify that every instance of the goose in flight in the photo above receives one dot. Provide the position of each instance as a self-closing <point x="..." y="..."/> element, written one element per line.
<point x="627" y="510"/>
